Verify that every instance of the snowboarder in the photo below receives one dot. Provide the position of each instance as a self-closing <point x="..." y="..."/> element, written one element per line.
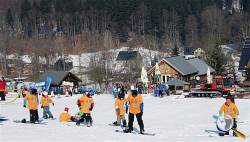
<point x="230" y="109"/>
<point x="86" y="106"/>
<point x="120" y="110"/>
<point x="45" y="102"/>
<point x="32" y="105"/>
<point x="134" y="100"/>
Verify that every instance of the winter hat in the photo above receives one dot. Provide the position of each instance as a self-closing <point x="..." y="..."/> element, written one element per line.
<point x="33" y="91"/>
<point x="134" y="92"/>
<point x="229" y="97"/>
<point x="66" y="109"/>
<point x="91" y="91"/>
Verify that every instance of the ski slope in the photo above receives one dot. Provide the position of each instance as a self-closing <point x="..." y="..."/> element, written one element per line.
<point x="172" y="118"/>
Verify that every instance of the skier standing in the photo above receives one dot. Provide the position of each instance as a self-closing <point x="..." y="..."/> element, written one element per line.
<point x="86" y="106"/>
<point x="135" y="101"/>
<point x="120" y="110"/>
<point x="45" y="102"/>
<point x="32" y="105"/>
<point x="230" y="109"/>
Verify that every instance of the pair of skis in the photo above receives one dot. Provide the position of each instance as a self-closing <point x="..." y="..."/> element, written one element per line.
<point x="135" y="132"/>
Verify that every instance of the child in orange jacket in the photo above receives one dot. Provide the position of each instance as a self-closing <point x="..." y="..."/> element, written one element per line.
<point x="120" y="110"/>
<point x="45" y="102"/>
<point x="32" y="105"/>
<point x="230" y="109"/>
<point x="86" y="105"/>
<point x="135" y="109"/>
<point x="65" y="116"/>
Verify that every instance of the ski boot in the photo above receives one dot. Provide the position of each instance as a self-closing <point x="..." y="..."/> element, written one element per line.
<point x="142" y="131"/>
<point x="124" y="123"/>
<point x="78" y="123"/>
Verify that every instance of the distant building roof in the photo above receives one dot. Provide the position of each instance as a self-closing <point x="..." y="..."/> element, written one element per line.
<point x="127" y="55"/>
<point x="176" y="82"/>
<point x="200" y="65"/>
<point x="181" y="65"/>
<point x="58" y="77"/>
<point x="245" y="55"/>
<point x="188" y="51"/>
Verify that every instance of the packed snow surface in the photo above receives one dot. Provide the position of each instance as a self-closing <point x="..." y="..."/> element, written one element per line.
<point x="172" y="119"/>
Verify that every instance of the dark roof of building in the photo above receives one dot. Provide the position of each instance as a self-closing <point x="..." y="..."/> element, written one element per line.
<point x="245" y="55"/>
<point x="200" y="65"/>
<point x="57" y="76"/>
<point x="127" y="55"/>
<point x="181" y="65"/>
<point x="176" y="82"/>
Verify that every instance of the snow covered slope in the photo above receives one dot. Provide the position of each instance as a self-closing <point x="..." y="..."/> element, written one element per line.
<point x="172" y="119"/>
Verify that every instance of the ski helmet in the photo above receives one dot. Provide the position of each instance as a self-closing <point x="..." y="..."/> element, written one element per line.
<point x="91" y="91"/>
<point x="66" y="109"/>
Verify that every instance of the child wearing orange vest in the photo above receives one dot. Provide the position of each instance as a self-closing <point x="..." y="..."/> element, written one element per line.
<point x="65" y="116"/>
<point x="120" y="110"/>
<point x="45" y="102"/>
<point x="86" y="104"/>
<point x="135" y="109"/>
<point x="230" y="109"/>
<point x="32" y="105"/>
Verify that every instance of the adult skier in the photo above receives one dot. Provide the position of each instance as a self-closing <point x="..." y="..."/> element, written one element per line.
<point x="86" y="106"/>
<point x="45" y="102"/>
<point x="32" y="105"/>
<point x="135" y="101"/>
<point x="230" y="109"/>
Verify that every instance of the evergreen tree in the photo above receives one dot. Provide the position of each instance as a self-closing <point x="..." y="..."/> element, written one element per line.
<point x="9" y="18"/>
<point x="25" y="9"/>
<point x="217" y="59"/>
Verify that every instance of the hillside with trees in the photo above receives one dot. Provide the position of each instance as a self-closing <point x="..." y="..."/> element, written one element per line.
<point x="47" y="27"/>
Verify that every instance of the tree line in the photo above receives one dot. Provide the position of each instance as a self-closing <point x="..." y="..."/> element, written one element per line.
<point x="75" y="26"/>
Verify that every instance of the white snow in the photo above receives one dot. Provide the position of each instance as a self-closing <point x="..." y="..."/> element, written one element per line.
<point x="172" y="118"/>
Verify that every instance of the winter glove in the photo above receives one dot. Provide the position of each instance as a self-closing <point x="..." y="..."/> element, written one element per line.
<point x="53" y="104"/>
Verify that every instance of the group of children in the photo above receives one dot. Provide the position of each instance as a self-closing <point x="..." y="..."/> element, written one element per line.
<point x="133" y="105"/>
<point x="33" y="103"/>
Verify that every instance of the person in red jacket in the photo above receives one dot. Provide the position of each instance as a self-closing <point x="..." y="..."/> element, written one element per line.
<point x="2" y="89"/>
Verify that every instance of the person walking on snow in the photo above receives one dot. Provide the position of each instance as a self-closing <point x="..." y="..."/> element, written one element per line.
<point x="86" y="106"/>
<point x="32" y="105"/>
<point x="120" y="110"/>
<point x="230" y="109"/>
<point x="135" y="102"/>
<point x="45" y="102"/>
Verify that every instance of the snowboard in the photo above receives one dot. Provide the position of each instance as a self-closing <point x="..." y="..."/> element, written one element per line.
<point x="28" y="122"/>
<point x="134" y="132"/>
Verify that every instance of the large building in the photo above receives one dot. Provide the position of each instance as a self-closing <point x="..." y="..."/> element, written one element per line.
<point x="179" y="68"/>
<point x="174" y="67"/>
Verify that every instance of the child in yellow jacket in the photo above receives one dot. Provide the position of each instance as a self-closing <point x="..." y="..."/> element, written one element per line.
<point x="120" y="110"/>
<point x="229" y="109"/>
<point x="65" y="116"/>
<point x="32" y="105"/>
<point x="45" y="102"/>
<point x="135" y="109"/>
